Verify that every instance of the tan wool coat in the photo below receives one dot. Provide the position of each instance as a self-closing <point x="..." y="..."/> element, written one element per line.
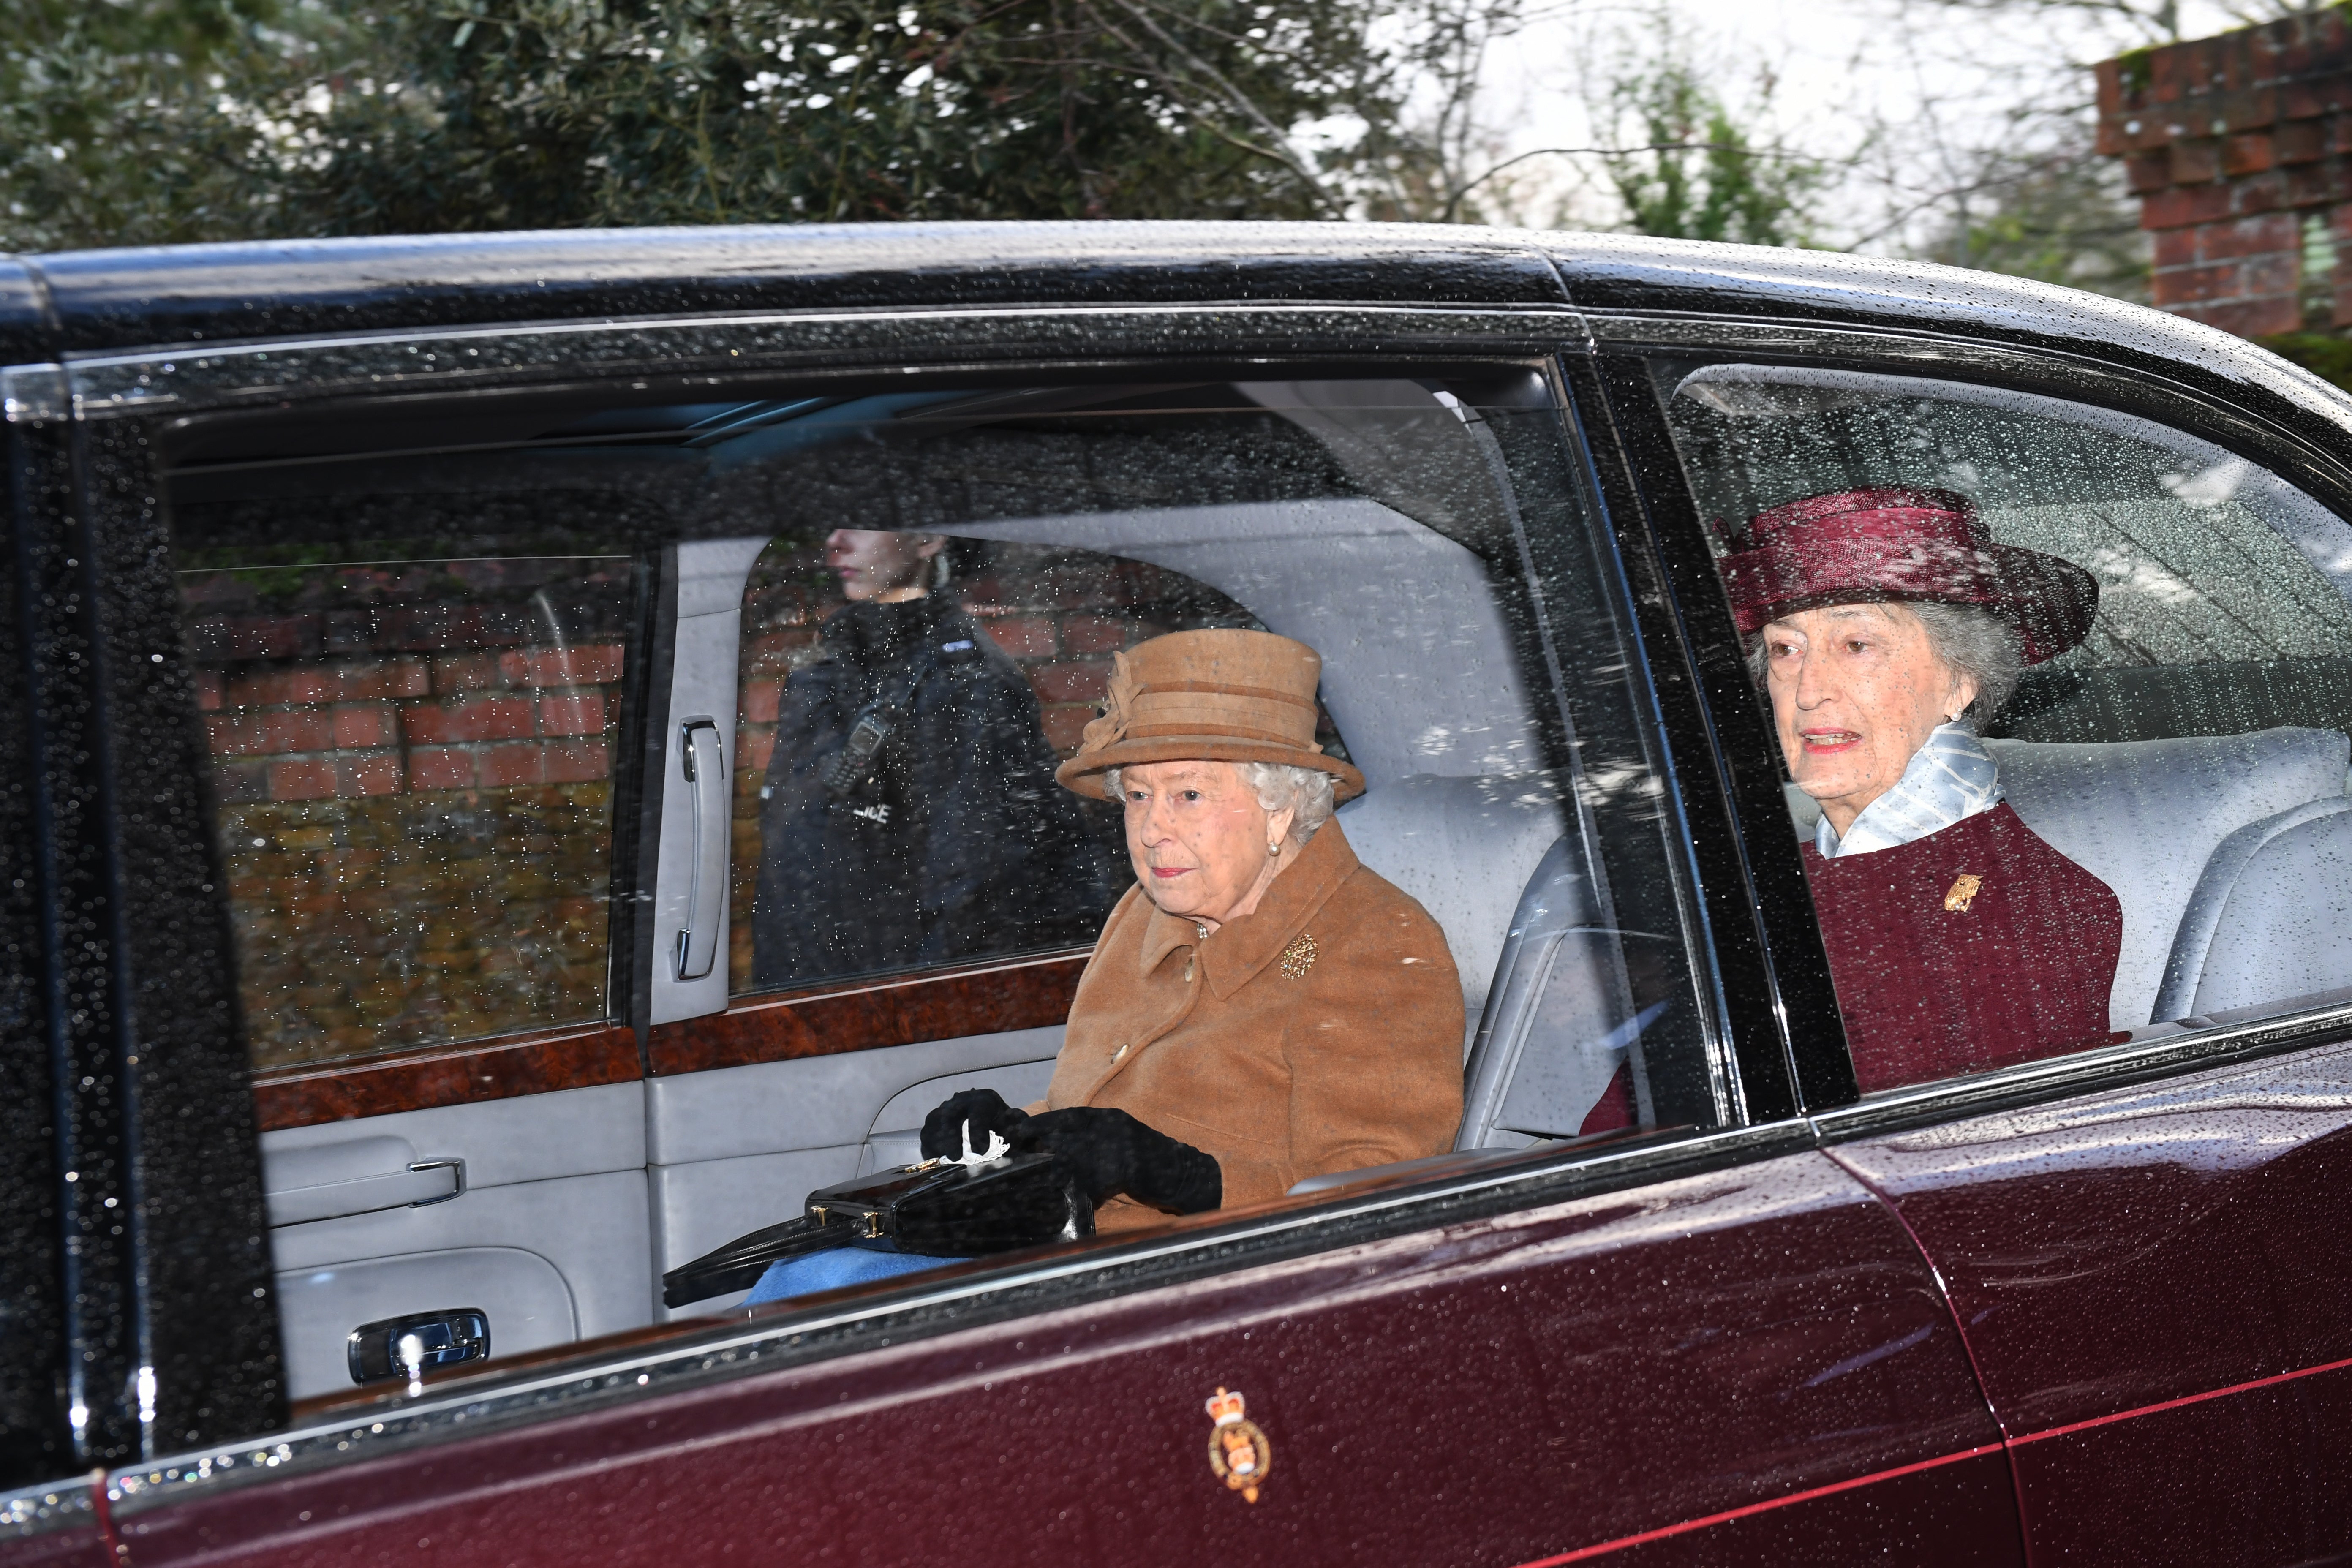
<point x="1321" y="1032"/>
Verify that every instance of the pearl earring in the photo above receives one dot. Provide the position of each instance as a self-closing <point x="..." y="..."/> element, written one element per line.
<point x="1273" y="851"/>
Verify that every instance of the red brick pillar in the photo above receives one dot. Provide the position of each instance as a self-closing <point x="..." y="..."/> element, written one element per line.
<point x="2228" y="141"/>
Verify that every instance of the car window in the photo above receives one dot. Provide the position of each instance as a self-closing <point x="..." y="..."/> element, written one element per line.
<point x="576" y="939"/>
<point x="2142" y="819"/>
<point x="1047" y="531"/>
<point x="413" y="745"/>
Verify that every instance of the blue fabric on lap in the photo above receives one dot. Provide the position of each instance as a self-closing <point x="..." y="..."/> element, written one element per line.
<point x="831" y="1269"/>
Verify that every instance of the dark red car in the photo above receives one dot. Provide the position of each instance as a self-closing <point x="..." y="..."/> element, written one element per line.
<point x="401" y="972"/>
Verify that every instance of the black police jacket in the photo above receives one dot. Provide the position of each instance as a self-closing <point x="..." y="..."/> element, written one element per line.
<point x="953" y="841"/>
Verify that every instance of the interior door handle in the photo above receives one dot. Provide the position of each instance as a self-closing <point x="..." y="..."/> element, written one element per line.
<point x="412" y="1346"/>
<point x="457" y="1168"/>
<point x="704" y="761"/>
<point x="355" y="1176"/>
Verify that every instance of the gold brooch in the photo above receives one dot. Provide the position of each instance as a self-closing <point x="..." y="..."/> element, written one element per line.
<point x="1238" y="1452"/>
<point x="1299" y="956"/>
<point x="1963" y="893"/>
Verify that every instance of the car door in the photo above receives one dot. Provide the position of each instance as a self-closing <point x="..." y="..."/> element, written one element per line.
<point x="2134" y="1230"/>
<point x="760" y="1091"/>
<point x="414" y="733"/>
<point x="1694" y="1338"/>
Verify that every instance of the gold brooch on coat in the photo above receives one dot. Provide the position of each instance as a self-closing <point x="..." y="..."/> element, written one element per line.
<point x="1238" y="1452"/>
<point x="1299" y="956"/>
<point x="1963" y="893"/>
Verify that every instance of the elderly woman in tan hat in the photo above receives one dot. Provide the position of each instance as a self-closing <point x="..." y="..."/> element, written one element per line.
<point x="1884" y="623"/>
<point x="1261" y="1007"/>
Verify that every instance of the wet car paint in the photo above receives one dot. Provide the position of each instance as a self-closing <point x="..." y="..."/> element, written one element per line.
<point x="1731" y="1366"/>
<point x="2155" y="1283"/>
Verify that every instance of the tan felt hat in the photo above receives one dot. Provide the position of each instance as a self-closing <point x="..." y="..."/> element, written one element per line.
<point x="1212" y="696"/>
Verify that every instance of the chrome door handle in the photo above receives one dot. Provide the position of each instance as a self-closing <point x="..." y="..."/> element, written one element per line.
<point x="704" y="759"/>
<point x="412" y="1346"/>
<point x="455" y="1166"/>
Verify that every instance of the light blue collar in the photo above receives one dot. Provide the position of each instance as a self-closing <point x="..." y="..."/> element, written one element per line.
<point x="1951" y="776"/>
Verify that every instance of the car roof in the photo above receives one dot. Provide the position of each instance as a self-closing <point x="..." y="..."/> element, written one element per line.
<point x="101" y="301"/>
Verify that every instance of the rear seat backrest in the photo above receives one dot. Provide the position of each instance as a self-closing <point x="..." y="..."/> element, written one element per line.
<point x="2271" y="921"/>
<point x="1463" y="848"/>
<point x="2144" y="816"/>
<point x="1556" y="1027"/>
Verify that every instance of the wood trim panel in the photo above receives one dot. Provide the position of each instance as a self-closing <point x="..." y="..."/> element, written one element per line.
<point x="981" y="999"/>
<point x="496" y="1069"/>
<point x="984" y="999"/>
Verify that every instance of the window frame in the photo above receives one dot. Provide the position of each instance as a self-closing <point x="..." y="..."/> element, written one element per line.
<point x="114" y="397"/>
<point x="1627" y="345"/>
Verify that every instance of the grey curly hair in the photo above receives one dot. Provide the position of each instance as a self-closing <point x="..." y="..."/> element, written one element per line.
<point x="1973" y="642"/>
<point x="1305" y="792"/>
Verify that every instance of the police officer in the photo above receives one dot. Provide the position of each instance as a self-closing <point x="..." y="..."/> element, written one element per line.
<point x="911" y="815"/>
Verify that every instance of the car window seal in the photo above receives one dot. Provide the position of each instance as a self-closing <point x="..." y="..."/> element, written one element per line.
<point x="2163" y="1050"/>
<point x="710" y="351"/>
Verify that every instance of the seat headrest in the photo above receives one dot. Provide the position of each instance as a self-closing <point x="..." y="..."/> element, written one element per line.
<point x="2192" y="776"/>
<point x="1463" y="848"/>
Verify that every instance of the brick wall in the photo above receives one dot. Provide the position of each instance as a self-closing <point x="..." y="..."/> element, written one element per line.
<point x="2229" y="142"/>
<point x="412" y="770"/>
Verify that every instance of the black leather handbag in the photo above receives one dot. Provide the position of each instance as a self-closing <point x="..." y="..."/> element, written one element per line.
<point x="938" y="1209"/>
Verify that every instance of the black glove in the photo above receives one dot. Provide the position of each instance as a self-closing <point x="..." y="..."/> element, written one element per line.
<point x="985" y="1109"/>
<point x="1113" y="1152"/>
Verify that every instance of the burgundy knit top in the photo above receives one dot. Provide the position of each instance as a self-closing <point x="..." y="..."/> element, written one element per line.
<point x="1972" y="947"/>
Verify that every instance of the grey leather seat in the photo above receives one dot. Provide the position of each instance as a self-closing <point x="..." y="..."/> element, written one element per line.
<point x="2145" y="816"/>
<point x="2271" y="920"/>
<point x="1465" y="847"/>
<point x="1558" y="1020"/>
<point x="1557" y="1025"/>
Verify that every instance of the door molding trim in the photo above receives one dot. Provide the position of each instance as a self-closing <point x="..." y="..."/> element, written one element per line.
<point x="1032" y="992"/>
<point x="1029" y="992"/>
<point x="696" y="352"/>
<point x="539" y="1061"/>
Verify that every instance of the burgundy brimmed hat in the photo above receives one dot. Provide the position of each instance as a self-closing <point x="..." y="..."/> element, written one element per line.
<point x="1208" y="696"/>
<point x="1858" y="546"/>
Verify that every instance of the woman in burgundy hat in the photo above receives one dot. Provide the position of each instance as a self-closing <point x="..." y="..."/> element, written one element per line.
<point x="1885" y="624"/>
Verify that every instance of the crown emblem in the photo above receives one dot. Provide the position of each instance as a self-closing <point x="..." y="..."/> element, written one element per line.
<point x="1239" y="1454"/>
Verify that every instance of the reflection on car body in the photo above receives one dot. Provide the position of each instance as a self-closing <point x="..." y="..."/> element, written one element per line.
<point x="416" y="713"/>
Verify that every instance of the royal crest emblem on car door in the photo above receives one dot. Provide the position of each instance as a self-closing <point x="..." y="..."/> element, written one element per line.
<point x="1238" y="1452"/>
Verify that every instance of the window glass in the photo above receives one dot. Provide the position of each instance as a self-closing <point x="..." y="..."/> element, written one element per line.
<point x="1018" y="657"/>
<point x="1020" y="539"/>
<point x="412" y="756"/>
<point x="2140" y="814"/>
<point x="422" y="643"/>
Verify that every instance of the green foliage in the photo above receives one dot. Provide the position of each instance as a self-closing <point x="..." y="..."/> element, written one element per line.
<point x="217" y="119"/>
<point x="2138" y="67"/>
<point x="2061" y="216"/>
<point x="1689" y="169"/>
<point x="109" y="121"/>
<point x="2323" y="354"/>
